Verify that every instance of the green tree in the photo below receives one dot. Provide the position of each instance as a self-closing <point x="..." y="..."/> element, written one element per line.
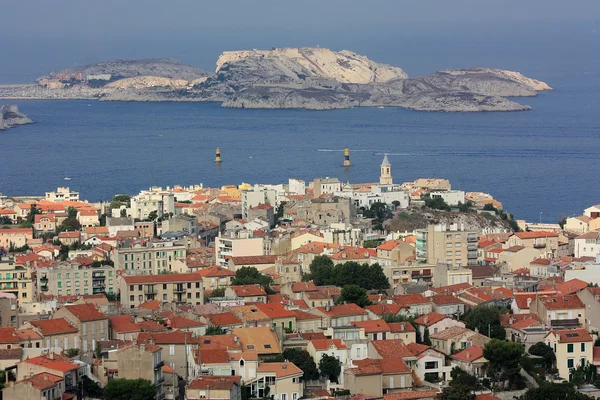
<point x="554" y="391"/>
<point x="303" y="360"/>
<point x="102" y="219"/>
<point x="503" y="360"/>
<point x="354" y="294"/>
<point x="463" y="378"/>
<point x="583" y="374"/>
<point x="541" y="349"/>
<point x="251" y="276"/>
<point x="130" y="389"/>
<point x="218" y="292"/>
<point x="72" y="212"/>
<point x="321" y="271"/>
<point x="69" y="225"/>
<point x="370" y="244"/>
<point x="123" y="213"/>
<point x="436" y="203"/>
<point x="330" y="367"/>
<point x="152" y="215"/>
<point x="465" y="207"/>
<point x="455" y="392"/>
<point x="486" y="319"/>
<point x="4" y="220"/>
<point x="120" y="200"/>
<point x="376" y="277"/>
<point x="73" y="352"/>
<point x="426" y="338"/>
<point x="214" y="331"/>
<point x="98" y="350"/>
<point x="11" y="377"/>
<point x="91" y="388"/>
<point x="280" y="211"/>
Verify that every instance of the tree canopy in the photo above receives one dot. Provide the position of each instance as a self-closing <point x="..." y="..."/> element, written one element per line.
<point x="214" y="331"/>
<point x="250" y="276"/>
<point x="303" y="360"/>
<point x="324" y="272"/>
<point x="541" y="349"/>
<point x="503" y="360"/>
<point x="437" y="203"/>
<point x="330" y="367"/>
<point x="354" y="294"/>
<point x="486" y="318"/>
<point x="554" y="391"/>
<point x="130" y="389"/>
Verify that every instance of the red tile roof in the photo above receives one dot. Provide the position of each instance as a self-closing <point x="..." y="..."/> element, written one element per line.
<point x="389" y="245"/>
<point x="372" y="326"/>
<point x="214" y="356"/>
<point x="442" y="299"/>
<point x="215" y="382"/>
<point x="410" y="299"/>
<point x="275" y="310"/>
<point x="354" y="253"/>
<point x="325" y="344"/>
<point x="534" y="235"/>
<point x="281" y="369"/>
<point x="248" y="290"/>
<point x="430" y="318"/>
<point x="398" y="327"/>
<point x="150" y="305"/>
<point x="27" y="334"/>
<point x="541" y="261"/>
<point x="342" y="310"/>
<point x="415" y="395"/>
<point x="298" y="287"/>
<point x="451" y="289"/>
<point x="304" y="316"/>
<point x="510" y="319"/>
<point x="55" y="365"/>
<point x="85" y="312"/>
<point x="572" y="335"/>
<point x="223" y="319"/>
<point x="571" y="286"/>
<point x="182" y="322"/>
<point x="172" y="337"/>
<point x="43" y="380"/>
<point x="215" y="271"/>
<point x="393" y="348"/>
<point x="8" y="335"/>
<point x="162" y="278"/>
<point x="56" y="326"/>
<point x="469" y="354"/>
<point x="254" y="260"/>
<point x="382" y="309"/>
<point x="123" y="323"/>
<point x="562" y="302"/>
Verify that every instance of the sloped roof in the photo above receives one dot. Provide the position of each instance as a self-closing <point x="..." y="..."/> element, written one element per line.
<point x="469" y="354"/>
<point x="85" y="312"/>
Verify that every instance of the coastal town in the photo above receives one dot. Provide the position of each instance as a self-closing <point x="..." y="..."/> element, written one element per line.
<point x="313" y="290"/>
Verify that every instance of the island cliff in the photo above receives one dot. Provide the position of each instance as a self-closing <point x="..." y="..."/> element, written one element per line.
<point x="10" y="116"/>
<point x="309" y="78"/>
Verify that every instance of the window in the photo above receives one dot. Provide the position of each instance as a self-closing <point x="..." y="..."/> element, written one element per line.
<point x="197" y="285"/>
<point x="59" y="284"/>
<point x="171" y="349"/>
<point x="132" y="298"/>
<point x="165" y="297"/>
<point x="569" y="347"/>
<point x="189" y="285"/>
<point x="570" y="363"/>
<point x="164" y="286"/>
<point x="582" y="347"/>
<point x="582" y="361"/>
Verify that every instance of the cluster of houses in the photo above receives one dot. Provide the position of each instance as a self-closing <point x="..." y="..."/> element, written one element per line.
<point x="145" y="288"/>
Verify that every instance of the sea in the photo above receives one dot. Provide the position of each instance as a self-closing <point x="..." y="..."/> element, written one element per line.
<point x="541" y="164"/>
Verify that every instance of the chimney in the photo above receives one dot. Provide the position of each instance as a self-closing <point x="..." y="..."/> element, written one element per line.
<point x="468" y="353"/>
<point x="426" y="319"/>
<point x="402" y="327"/>
<point x="45" y="377"/>
<point x="511" y="321"/>
<point x="51" y="356"/>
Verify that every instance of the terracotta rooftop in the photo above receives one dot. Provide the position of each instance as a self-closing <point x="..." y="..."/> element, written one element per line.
<point x="469" y="354"/>
<point x="443" y="299"/>
<point x="57" y="326"/>
<point x="215" y="382"/>
<point x="342" y="310"/>
<point x="571" y="286"/>
<point x="85" y="312"/>
<point x="275" y="310"/>
<point x="123" y="323"/>
<point x="430" y="318"/>
<point x="325" y="344"/>
<point x="572" y="335"/>
<point x="43" y="380"/>
<point x="385" y="365"/>
<point x="449" y="333"/>
<point x="171" y="337"/>
<point x="562" y="302"/>
<point x="248" y="290"/>
<point x="223" y="319"/>
<point x="280" y="369"/>
<point x="392" y="348"/>
<point x="382" y="309"/>
<point x="398" y="327"/>
<point x="46" y="361"/>
<point x="254" y="260"/>
<point x="182" y="322"/>
<point x="215" y="271"/>
<point x="372" y="326"/>
<point x="8" y="335"/>
<point x="414" y="395"/>
<point x="534" y="235"/>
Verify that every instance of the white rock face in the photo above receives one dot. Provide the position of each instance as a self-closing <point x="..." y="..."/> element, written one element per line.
<point x="343" y="66"/>
<point x="140" y="82"/>
<point x="533" y="84"/>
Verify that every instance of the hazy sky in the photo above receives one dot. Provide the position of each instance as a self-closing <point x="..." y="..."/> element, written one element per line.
<point x="419" y="35"/>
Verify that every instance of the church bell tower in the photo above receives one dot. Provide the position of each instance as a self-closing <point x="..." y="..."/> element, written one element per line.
<point x="386" y="172"/>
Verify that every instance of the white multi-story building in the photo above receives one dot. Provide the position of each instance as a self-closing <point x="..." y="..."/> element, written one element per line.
<point x="451" y="197"/>
<point x="150" y="258"/>
<point x="252" y="198"/>
<point x="237" y="244"/>
<point x="153" y="199"/>
<point x="62" y="194"/>
<point x="296" y="186"/>
<point x="587" y="245"/>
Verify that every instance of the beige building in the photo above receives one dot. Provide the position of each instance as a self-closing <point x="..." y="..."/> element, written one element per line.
<point x="44" y="223"/>
<point x="545" y="242"/>
<point x="66" y="279"/>
<point x="149" y="257"/>
<point x="15" y="237"/>
<point x="456" y="338"/>
<point x="214" y="388"/>
<point x="15" y="279"/>
<point x="517" y="257"/>
<point x="52" y="363"/>
<point x="450" y="275"/>
<point x="239" y="244"/>
<point x="176" y="288"/>
<point x="88" y="218"/>
<point x="283" y="379"/>
<point x="405" y="274"/>
<point x="393" y="252"/>
<point x="216" y="277"/>
<point x="447" y="244"/>
<point x="142" y="361"/>
<point x="57" y="334"/>
<point x="176" y="347"/>
<point x="572" y="348"/>
<point x="42" y="386"/>
<point x="340" y="315"/>
<point x="91" y="323"/>
<point x="557" y="311"/>
<point x="62" y="194"/>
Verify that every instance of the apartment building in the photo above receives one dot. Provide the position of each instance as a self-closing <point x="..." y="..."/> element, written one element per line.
<point x="91" y="323"/>
<point x="142" y="360"/>
<point x="446" y="274"/>
<point x="573" y="347"/>
<point x="545" y="242"/>
<point x="448" y="244"/>
<point x="67" y="279"/>
<point x="15" y="279"/>
<point x="154" y="199"/>
<point x="149" y="257"/>
<point x="252" y="198"/>
<point x="237" y="244"/>
<point x="16" y="237"/>
<point x="177" y="288"/>
<point x="62" y="194"/>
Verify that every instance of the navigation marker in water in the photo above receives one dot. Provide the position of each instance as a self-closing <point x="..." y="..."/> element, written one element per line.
<point x="346" y="157"/>
<point x="218" y="155"/>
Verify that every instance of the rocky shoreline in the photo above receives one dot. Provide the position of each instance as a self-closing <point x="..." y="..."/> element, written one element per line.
<point x="10" y="116"/>
<point x="305" y="78"/>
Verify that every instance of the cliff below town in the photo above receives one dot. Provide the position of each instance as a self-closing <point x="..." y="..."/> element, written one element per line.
<point x="309" y="78"/>
<point x="10" y="116"/>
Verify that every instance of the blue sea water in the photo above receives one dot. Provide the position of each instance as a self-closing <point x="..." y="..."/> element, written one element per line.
<point x="540" y="162"/>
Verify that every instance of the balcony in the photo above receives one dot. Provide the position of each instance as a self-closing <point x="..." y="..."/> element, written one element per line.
<point x="150" y="290"/>
<point x="179" y="289"/>
<point x="159" y="365"/>
<point x="472" y="247"/>
<point x="539" y="245"/>
<point x="159" y="381"/>
<point x="471" y="238"/>
<point x="44" y="288"/>
<point x="567" y="323"/>
<point x="43" y="280"/>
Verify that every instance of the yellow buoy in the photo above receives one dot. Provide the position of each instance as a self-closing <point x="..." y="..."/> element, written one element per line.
<point x="346" y="157"/>
<point x="218" y="155"/>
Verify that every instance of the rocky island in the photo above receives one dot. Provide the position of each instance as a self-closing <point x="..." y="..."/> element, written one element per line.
<point x="308" y="78"/>
<point x="10" y="116"/>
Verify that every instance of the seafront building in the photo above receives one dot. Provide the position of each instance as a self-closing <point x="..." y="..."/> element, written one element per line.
<point x="136" y="289"/>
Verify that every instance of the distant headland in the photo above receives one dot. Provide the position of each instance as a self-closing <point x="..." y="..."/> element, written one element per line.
<point x="308" y="78"/>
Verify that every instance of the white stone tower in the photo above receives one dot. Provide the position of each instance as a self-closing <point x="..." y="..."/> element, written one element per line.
<point x="386" y="172"/>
